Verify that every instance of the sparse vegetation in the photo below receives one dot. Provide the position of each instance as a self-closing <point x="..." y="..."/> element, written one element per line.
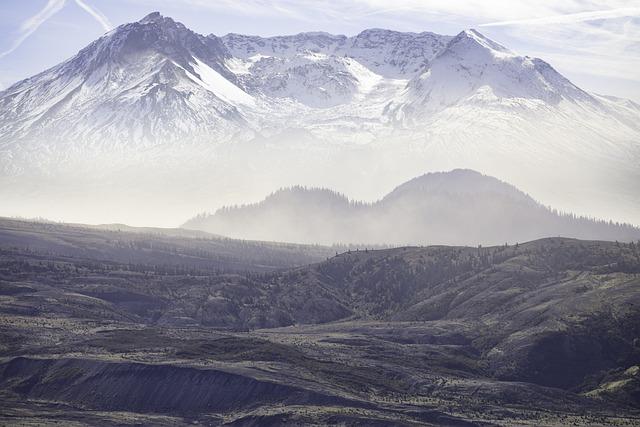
<point x="539" y="333"/>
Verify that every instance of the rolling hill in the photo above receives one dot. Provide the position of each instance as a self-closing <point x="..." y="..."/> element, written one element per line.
<point x="461" y="207"/>
<point x="543" y="333"/>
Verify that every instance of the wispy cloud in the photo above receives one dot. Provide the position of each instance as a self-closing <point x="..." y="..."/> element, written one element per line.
<point x="96" y="14"/>
<point x="29" y="26"/>
<point x="571" y="17"/>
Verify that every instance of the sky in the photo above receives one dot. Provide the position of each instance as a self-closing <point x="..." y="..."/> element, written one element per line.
<point x="595" y="43"/>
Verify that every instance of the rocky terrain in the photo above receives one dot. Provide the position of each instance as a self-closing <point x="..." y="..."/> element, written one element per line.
<point x="539" y="333"/>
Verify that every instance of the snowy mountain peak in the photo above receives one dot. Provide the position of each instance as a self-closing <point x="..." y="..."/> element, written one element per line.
<point x="154" y="35"/>
<point x="153" y="17"/>
<point x="143" y="83"/>
<point x="474" y="37"/>
<point x="475" y="72"/>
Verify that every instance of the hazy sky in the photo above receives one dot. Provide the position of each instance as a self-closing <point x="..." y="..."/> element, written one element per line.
<point x="595" y="43"/>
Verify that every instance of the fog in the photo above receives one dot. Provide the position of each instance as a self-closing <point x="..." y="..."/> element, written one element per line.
<point x="167" y="186"/>
<point x="459" y="207"/>
<point x="153" y="124"/>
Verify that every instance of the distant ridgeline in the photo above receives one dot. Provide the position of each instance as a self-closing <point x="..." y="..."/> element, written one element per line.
<point x="461" y="207"/>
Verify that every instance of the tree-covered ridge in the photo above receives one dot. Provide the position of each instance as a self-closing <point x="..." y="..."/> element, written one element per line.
<point x="461" y="207"/>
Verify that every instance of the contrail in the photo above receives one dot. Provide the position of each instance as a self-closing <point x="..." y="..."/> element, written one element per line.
<point x="99" y="16"/>
<point x="571" y="17"/>
<point x="52" y="7"/>
<point x="29" y="26"/>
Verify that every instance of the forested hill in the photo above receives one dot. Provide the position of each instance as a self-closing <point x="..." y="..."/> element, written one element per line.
<point x="460" y="207"/>
<point x="165" y="248"/>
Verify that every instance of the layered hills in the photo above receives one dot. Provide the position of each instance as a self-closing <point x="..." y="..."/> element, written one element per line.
<point x="460" y="207"/>
<point x="543" y="333"/>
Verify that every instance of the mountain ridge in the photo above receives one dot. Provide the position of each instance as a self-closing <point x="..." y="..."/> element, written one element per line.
<point x="340" y="65"/>
<point x="460" y="207"/>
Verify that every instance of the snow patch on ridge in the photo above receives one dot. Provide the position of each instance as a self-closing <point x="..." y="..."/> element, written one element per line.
<point x="237" y="66"/>
<point x="211" y="80"/>
<point x="496" y="49"/>
<point x="367" y="79"/>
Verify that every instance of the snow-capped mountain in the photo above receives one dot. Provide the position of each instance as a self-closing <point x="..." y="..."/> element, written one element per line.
<point x="155" y="95"/>
<point x="156" y="81"/>
<point x="472" y="66"/>
<point x="140" y="83"/>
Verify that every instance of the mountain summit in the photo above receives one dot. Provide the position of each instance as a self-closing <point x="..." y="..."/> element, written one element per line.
<point x="139" y="84"/>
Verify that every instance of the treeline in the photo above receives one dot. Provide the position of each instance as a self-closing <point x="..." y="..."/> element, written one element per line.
<point x="388" y="284"/>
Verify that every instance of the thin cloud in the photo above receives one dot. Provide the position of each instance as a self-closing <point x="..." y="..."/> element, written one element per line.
<point x="29" y="26"/>
<point x="387" y="10"/>
<point x="571" y="17"/>
<point x="97" y="15"/>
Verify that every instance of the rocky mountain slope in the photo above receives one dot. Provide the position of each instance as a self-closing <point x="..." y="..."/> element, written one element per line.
<point x="460" y="207"/>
